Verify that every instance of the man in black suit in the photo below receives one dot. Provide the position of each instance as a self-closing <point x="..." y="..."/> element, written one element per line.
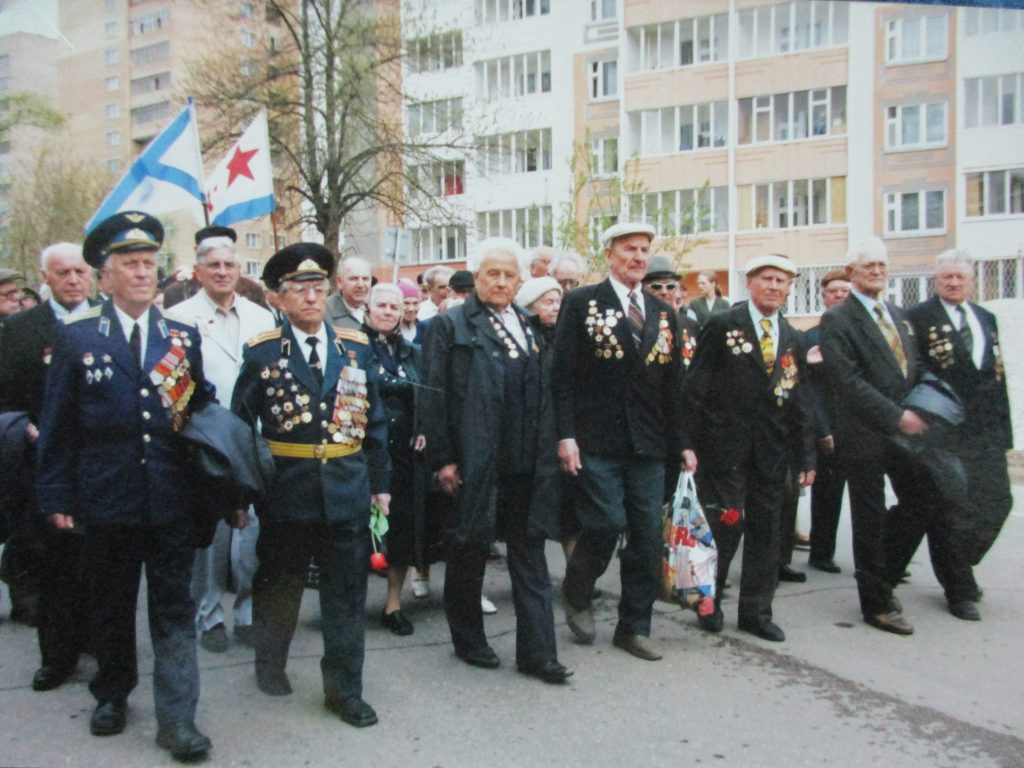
<point x="958" y="341"/>
<point x="615" y="377"/>
<point x="54" y="556"/>
<point x="750" y="421"/>
<point x="871" y="364"/>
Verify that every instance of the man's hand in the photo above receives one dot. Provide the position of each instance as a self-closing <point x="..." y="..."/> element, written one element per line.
<point x="382" y="500"/>
<point x="239" y="519"/>
<point x="569" y="455"/>
<point x="688" y="462"/>
<point x="31" y="432"/>
<point x="806" y="478"/>
<point x="912" y="424"/>
<point x="448" y="478"/>
<point x="420" y="444"/>
<point x="827" y="445"/>
<point x="814" y="356"/>
<point x="61" y="522"/>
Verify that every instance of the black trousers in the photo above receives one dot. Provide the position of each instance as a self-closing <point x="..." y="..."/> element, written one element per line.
<point x="116" y="556"/>
<point x="826" y="506"/>
<point x="761" y="500"/>
<point x="63" y="600"/>
<point x="342" y="553"/>
<point x="528" y="571"/>
<point x="787" y="518"/>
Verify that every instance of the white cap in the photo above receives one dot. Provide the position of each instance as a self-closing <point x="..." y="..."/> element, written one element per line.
<point x="771" y="260"/>
<point x="534" y="288"/>
<point x="626" y="228"/>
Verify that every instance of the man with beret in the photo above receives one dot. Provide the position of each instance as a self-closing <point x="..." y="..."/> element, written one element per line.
<point x="183" y="288"/>
<point x="225" y="320"/>
<point x="10" y="294"/>
<point x="122" y="383"/>
<point x="616" y="377"/>
<point x="347" y="308"/>
<point x="52" y="558"/>
<point x="321" y="415"/>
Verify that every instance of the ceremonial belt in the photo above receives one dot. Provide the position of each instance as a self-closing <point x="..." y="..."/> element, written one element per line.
<point x="311" y="450"/>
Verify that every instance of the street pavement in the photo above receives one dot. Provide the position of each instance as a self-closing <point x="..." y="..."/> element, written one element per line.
<point x="836" y="693"/>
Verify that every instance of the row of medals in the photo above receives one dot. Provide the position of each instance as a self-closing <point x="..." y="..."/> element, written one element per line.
<point x="287" y="412"/>
<point x="506" y="338"/>
<point x="599" y="327"/>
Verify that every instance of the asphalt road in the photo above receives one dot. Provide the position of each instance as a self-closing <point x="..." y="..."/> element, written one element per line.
<point x="836" y="693"/>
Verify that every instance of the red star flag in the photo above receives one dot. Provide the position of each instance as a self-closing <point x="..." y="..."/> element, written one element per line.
<point x="242" y="185"/>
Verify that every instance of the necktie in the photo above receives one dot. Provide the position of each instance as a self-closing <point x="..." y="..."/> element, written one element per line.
<point x="636" y="319"/>
<point x="965" y="331"/>
<point x="892" y="337"/>
<point x="314" y="360"/>
<point x="767" y="345"/>
<point x="135" y="342"/>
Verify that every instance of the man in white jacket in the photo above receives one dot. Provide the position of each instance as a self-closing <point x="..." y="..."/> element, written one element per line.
<point x="226" y="320"/>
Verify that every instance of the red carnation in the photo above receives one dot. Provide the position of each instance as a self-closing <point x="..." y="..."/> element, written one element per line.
<point x="730" y="516"/>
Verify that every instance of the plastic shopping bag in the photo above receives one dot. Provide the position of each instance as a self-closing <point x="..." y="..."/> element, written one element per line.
<point x="690" y="557"/>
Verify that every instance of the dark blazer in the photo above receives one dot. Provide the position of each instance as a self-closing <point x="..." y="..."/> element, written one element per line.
<point x="339" y="315"/>
<point x="739" y="414"/>
<point x="276" y="385"/>
<point x="982" y="390"/>
<point x="819" y="393"/>
<point x="865" y="377"/>
<point x="25" y="349"/>
<point x="614" y="399"/>
<point x="462" y="412"/>
<point x="109" y="450"/>
<point x="703" y="312"/>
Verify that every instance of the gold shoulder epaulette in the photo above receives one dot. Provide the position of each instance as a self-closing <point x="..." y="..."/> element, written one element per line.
<point x="351" y="334"/>
<point x="262" y="337"/>
<point x="83" y="315"/>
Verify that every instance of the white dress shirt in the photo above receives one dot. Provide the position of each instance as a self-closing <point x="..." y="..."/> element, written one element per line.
<point x="306" y="349"/>
<point x="757" y="317"/>
<point x="978" y="352"/>
<point x="127" y="322"/>
<point x="622" y="292"/>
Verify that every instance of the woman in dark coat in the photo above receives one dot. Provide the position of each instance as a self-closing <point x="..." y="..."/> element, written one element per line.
<point x="397" y="371"/>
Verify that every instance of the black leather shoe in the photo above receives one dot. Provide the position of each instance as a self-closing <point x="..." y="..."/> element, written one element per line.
<point x="273" y="682"/>
<point x="965" y="609"/>
<point x="713" y="622"/>
<point x="890" y="622"/>
<point x="828" y="566"/>
<point x="184" y="741"/>
<point x="215" y="639"/>
<point x="766" y="630"/>
<point x="396" y="622"/>
<point x="787" y="573"/>
<point x="108" y="718"/>
<point x="47" y="678"/>
<point x="550" y="672"/>
<point x="484" y="658"/>
<point x="352" y="710"/>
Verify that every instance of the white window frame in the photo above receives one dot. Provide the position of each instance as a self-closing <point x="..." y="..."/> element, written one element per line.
<point x="898" y="117"/>
<point x="530" y="227"/>
<point x="604" y="86"/>
<point x="603" y="10"/>
<point x="253" y="240"/>
<point x="998" y="88"/>
<point x="894" y="203"/>
<point x="110" y="56"/>
<point x="112" y="84"/>
<point x="525" y="74"/>
<point x="992" y="21"/>
<point x="895" y="39"/>
<point x="768" y="30"/>
<point x="113" y="111"/>
<point x="600" y="148"/>
<point x="440" y="243"/>
<point x="500" y="11"/>
<point x="989" y="181"/>
<point x="110" y="30"/>
<point x="782" y="200"/>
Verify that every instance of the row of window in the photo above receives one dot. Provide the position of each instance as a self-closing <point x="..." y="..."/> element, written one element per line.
<point x="434" y="53"/>
<point x="995" y="193"/>
<point x="915" y="39"/>
<point x="795" y="115"/>
<point x="442" y="178"/>
<point x="150" y="83"/>
<point x="151" y="22"/>
<point x="434" y="116"/>
<point x="679" y="129"/>
<point x="494" y="11"/>
<point x="994" y="100"/>
<point x="150" y="54"/>
<point x="682" y="211"/>
<point x="520" y="75"/>
<point x="529" y="227"/>
<point x="518" y="152"/>
<point x="992" y="21"/>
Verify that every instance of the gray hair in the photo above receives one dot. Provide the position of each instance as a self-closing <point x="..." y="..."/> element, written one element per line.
<point x="494" y="245"/>
<point x="440" y="272"/>
<point x="955" y="256"/>
<point x="566" y="258"/>
<point x="866" y="250"/>
<point x="70" y="250"/>
<point x="380" y="288"/>
<point x="348" y="261"/>
<point x="208" y="244"/>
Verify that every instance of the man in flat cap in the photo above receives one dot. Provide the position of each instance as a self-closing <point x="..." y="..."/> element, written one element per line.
<point x="10" y="294"/>
<point x="52" y="558"/>
<point x="321" y="415"/>
<point x="122" y="384"/>
<point x="225" y="320"/>
<point x="615" y="378"/>
<point x="751" y="422"/>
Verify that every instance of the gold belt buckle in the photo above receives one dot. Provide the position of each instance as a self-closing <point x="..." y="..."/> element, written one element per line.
<point x="319" y="451"/>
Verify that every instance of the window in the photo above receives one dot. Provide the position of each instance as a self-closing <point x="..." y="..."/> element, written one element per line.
<point x="113" y="111"/>
<point x="247" y="10"/>
<point x="520" y="152"/>
<point x="248" y="38"/>
<point x="151" y="53"/>
<point x="494" y="11"/>
<point x="789" y="116"/>
<point x="443" y="178"/>
<point x="992" y="21"/>
<point x="995" y="193"/>
<point x="678" y="43"/>
<point x="441" y="243"/>
<point x="787" y="27"/>
<point x="114" y="165"/>
<point x="110" y="30"/>
<point x="679" y="129"/>
<point x="435" y="53"/>
<point x="112" y="83"/>
<point x="151" y="83"/>
<point x="994" y="100"/>
<point x="110" y="56"/>
<point x="604" y="156"/>
<point x="917" y="212"/>
<point x="788" y="204"/>
<point x="252" y="240"/>
<point x="602" y="10"/>
<point x="435" y="116"/>
<point x="913" y="39"/>
<point x="522" y="75"/>
<point x="113" y="139"/>
<point x="253" y="269"/>
<point x="683" y="211"/>
<point x="151" y="113"/>
<point x="529" y="227"/>
<point x="151" y="22"/>
<point x="603" y="80"/>
<point x="915" y="126"/>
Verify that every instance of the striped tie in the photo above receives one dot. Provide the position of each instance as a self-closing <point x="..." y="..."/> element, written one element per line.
<point x="767" y="346"/>
<point x="636" y="318"/>
<point x="892" y="337"/>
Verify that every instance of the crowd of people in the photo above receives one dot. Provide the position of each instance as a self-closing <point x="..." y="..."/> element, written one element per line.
<point x="512" y="401"/>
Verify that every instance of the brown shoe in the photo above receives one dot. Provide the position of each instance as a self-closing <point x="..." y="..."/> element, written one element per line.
<point x="891" y="622"/>
<point x="581" y="623"/>
<point x="638" y="645"/>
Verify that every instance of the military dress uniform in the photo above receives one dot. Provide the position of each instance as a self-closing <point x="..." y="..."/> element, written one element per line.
<point x="329" y="440"/>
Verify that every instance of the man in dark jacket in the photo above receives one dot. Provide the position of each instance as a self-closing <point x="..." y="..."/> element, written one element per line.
<point x="489" y="430"/>
<point x="322" y="418"/>
<point x="958" y="341"/>
<point x="26" y="348"/>
<point x="615" y="379"/>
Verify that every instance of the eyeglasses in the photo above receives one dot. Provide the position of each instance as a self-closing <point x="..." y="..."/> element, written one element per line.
<point x="11" y="293"/>
<point x="569" y="284"/>
<point x="301" y="289"/>
<point x="663" y="286"/>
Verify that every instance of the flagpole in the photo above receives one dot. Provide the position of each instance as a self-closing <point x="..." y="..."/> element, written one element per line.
<point x="202" y="172"/>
